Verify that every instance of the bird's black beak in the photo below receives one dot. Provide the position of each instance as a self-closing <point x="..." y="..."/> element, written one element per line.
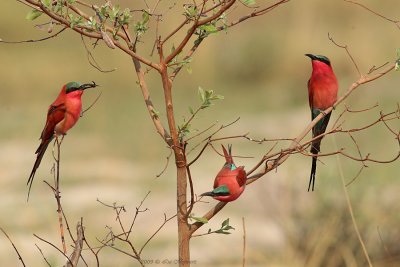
<point x="87" y="85"/>
<point x="311" y="56"/>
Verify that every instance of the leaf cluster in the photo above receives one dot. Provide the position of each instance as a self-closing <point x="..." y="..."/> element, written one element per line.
<point x="114" y="16"/>
<point x="207" y="97"/>
<point x="224" y="229"/>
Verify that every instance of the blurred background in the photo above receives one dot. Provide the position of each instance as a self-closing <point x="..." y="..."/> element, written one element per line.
<point x="114" y="153"/>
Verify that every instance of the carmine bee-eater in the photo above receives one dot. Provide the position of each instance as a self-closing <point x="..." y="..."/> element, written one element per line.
<point x="322" y="94"/>
<point x="62" y="115"/>
<point x="230" y="182"/>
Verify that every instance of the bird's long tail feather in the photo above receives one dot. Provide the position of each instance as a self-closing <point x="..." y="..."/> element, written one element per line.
<point x="40" y="152"/>
<point x="318" y="129"/>
<point x="314" y="150"/>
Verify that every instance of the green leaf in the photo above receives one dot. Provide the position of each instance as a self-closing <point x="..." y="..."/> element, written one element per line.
<point x="46" y="3"/>
<point x="71" y="2"/>
<point x="216" y="97"/>
<point x="199" y="219"/>
<point x="104" y="10"/>
<point x="33" y="14"/>
<point x="225" y="223"/>
<point x="220" y="231"/>
<point x="92" y="23"/>
<point x="191" y="110"/>
<point x="126" y="16"/>
<point x="189" y="70"/>
<point x="202" y="95"/>
<point x="145" y="17"/>
<point x="190" y="10"/>
<point x="248" y="2"/>
<point x="209" y="28"/>
<point x="114" y="12"/>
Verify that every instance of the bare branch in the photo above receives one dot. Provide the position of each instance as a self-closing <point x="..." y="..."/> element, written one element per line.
<point x="158" y="230"/>
<point x="54" y="246"/>
<point x="348" y="53"/>
<point x="149" y="104"/>
<point x="73" y="261"/>
<point x="244" y="243"/>
<point x="15" y="248"/>
<point x="92" y="61"/>
<point x="351" y="212"/>
<point x="35" y="40"/>
<point x="41" y="252"/>
<point x="166" y="163"/>
<point x="255" y="13"/>
<point x="138" y="210"/>
<point x="396" y="22"/>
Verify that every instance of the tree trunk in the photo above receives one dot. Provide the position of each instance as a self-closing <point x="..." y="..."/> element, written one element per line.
<point x="181" y="175"/>
<point x="183" y="227"/>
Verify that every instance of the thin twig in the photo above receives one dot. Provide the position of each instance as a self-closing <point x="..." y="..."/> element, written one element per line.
<point x="244" y="243"/>
<point x="138" y="210"/>
<point x="158" y="229"/>
<point x="348" y="53"/>
<point x="166" y="163"/>
<point x="54" y="246"/>
<point x="91" y="58"/>
<point x="191" y="205"/>
<point x="44" y="257"/>
<point x="383" y="243"/>
<point x="91" y="105"/>
<point x="15" y="248"/>
<point x="35" y="40"/>
<point x="396" y="22"/>
<point x="57" y="193"/>
<point x="351" y="209"/>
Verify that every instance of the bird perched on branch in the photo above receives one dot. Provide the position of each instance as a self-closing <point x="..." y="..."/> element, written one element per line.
<point x="230" y="181"/>
<point x="62" y="115"/>
<point x="322" y="94"/>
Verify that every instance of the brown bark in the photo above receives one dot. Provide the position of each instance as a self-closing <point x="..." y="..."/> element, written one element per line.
<point x="183" y="226"/>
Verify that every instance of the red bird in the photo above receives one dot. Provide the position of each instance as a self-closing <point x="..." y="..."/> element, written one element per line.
<point x="230" y="182"/>
<point x="62" y="115"/>
<point x="322" y="94"/>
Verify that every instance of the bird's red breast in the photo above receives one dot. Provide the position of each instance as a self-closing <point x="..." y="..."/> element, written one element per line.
<point x="322" y="86"/>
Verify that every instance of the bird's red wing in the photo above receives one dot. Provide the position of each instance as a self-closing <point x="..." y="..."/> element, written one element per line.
<point x="310" y="94"/>
<point x="55" y="114"/>
<point x="215" y="183"/>
<point x="241" y="176"/>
